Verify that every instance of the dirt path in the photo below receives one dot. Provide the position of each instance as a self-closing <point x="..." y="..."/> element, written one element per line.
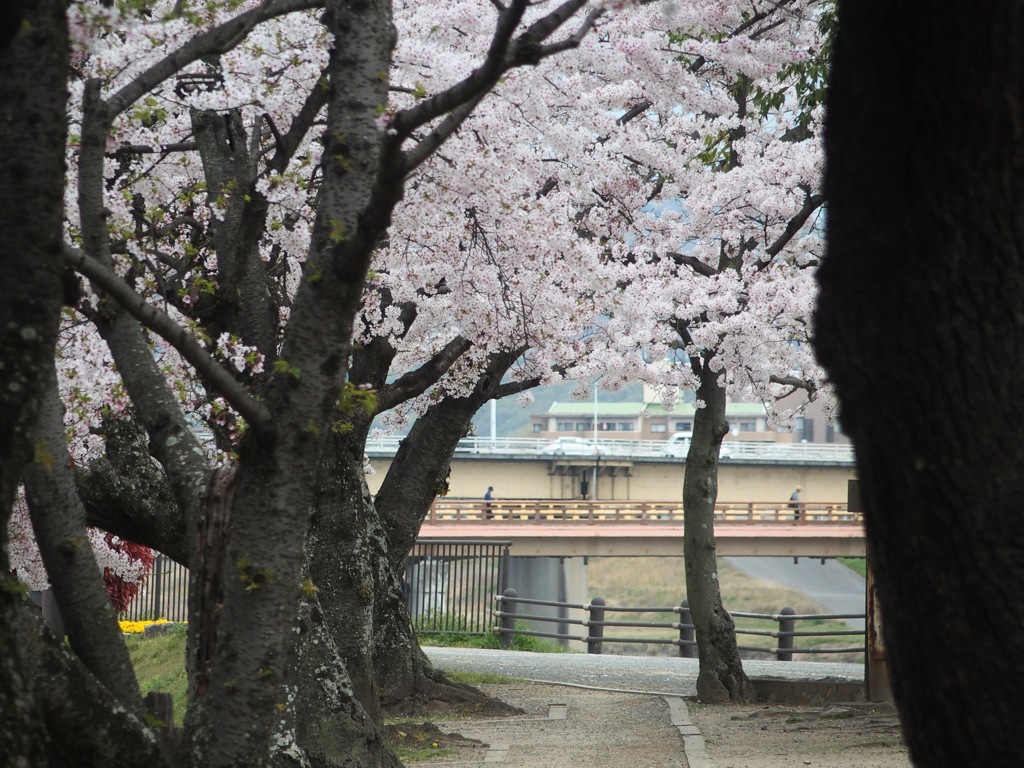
<point x="782" y="736"/>
<point x="567" y="727"/>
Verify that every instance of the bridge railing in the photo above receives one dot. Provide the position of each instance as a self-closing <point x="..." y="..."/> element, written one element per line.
<point x="452" y="511"/>
<point x="594" y="623"/>
<point x="732" y="450"/>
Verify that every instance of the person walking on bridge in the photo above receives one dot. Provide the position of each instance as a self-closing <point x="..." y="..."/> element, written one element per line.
<point x="794" y="503"/>
<point x="488" y="498"/>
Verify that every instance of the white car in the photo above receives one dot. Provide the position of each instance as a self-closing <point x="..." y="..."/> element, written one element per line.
<point x="571" y="446"/>
<point x="679" y="445"/>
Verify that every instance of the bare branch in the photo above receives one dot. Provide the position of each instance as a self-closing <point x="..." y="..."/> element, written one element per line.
<point x="289" y="142"/>
<point x="797" y="383"/>
<point x="811" y="204"/>
<point x="504" y="54"/>
<point x="162" y="324"/>
<point x="575" y="39"/>
<point x="433" y="140"/>
<point x="693" y="263"/>
<point x="416" y="382"/>
<point x="164" y="149"/>
<point x="639" y="109"/>
<point x="470" y="89"/>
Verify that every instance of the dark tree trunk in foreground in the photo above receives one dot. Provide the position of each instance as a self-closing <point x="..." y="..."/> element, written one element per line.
<point x="921" y="326"/>
<point x="33" y="127"/>
<point x="721" y="677"/>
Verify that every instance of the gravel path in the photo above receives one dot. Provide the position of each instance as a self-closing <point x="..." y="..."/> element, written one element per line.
<point x="598" y="710"/>
<point x="649" y="674"/>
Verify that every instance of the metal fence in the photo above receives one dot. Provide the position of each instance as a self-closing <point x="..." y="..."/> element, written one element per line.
<point x="450" y="584"/>
<point x="513" y="622"/>
<point x="164" y="595"/>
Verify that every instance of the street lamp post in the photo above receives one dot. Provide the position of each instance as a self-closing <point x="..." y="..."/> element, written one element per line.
<point x="597" y="453"/>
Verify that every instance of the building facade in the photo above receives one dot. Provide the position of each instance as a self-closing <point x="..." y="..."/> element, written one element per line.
<point x="651" y="421"/>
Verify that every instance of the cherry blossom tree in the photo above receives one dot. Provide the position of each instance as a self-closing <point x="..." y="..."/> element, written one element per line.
<point x="269" y="203"/>
<point x="712" y="156"/>
<point x="247" y="520"/>
<point x="919" y="327"/>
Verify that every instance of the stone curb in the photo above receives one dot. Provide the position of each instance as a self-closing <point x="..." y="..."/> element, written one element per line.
<point x="693" y="740"/>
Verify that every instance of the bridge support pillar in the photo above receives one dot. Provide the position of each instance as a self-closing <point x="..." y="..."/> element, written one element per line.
<point x="558" y="579"/>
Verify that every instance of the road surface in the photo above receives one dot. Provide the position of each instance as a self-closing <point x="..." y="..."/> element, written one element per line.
<point x="831" y="584"/>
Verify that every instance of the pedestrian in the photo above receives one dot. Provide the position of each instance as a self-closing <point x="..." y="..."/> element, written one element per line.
<point x="794" y="503"/>
<point x="488" y="498"/>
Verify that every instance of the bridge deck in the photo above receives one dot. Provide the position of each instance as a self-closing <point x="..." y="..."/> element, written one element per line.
<point x="568" y="528"/>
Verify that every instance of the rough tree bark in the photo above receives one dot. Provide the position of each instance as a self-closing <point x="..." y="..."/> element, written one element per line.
<point x="721" y="677"/>
<point x="417" y="475"/>
<point x="127" y="493"/>
<point x="33" y="130"/>
<point x="58" y="519"/>
<point x="920" y="325"/>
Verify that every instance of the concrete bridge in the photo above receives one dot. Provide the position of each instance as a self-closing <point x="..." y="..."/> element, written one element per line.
<point x="634" y="471"/>
<point x="567" y="528"/>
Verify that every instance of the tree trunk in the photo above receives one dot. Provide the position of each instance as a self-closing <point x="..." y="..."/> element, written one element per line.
<point x="345" y="546"/>
<point x="58" y="520"/>
<point x="325" y="725"/>
<point x="127" y="493"/>
<point x="721" y="677"/>
<point x="920" y="326"/>
<point x="418" y="474"/>
<point x="33" y="131"/>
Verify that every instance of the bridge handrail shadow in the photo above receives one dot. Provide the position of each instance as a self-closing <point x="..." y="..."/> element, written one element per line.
<point x="446" y="511"/>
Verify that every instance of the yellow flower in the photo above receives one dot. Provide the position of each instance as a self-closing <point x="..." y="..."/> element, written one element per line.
<point x="138" y="627"/>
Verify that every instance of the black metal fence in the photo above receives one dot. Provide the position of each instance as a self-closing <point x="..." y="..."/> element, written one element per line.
<point x="512" y="622"/>
<point x="164" y="595"/>
<point x="450" y="584"/>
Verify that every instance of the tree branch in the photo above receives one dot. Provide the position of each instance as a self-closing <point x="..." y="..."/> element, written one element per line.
<point x="570" y="42"/>
<point x="503" y="55"/>
<point x="639" y="109"/>
<point x="220" y="39"/>
<point x="693" y="263"/>
<point x="303" y="121"/>
<point x="811" y="204"/>
<point x="416" y="382"/>
<point x="58" y="521"/>
<point x="797" y="383"/>
<point x="69" y="696"/>
<point x="161" y="323"/>
<point x="433" y="140"/>
<point x="127" y="493"/>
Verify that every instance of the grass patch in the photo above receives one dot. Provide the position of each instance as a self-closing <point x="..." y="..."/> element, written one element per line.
<point x="491" y="640"/>
<point x="415" y="742"/>
<point x="159" y="663"/>
<point x="857" y="564"/>
<point x="479" y="678"/>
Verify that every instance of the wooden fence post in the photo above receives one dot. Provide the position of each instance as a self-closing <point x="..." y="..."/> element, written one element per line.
<point x="786" y="627"/>
<point x="595" y="625"/>
<point x="686" y="634"/>
<point x="508" y="618"/>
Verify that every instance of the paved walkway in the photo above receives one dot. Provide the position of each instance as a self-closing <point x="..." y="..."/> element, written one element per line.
<point x="664" y="675"/>
<point x="575" y="728"/>
<point x="607" y="711"/>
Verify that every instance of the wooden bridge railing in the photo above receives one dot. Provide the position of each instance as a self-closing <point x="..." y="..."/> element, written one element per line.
<point x="538" y="511"/>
